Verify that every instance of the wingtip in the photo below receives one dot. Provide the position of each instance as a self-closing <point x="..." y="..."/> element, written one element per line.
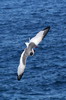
<point x="48" y="27"/>
<point x="19" y="77"/>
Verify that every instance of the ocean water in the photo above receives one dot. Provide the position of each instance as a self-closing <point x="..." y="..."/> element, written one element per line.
<point x="45" y="74"/>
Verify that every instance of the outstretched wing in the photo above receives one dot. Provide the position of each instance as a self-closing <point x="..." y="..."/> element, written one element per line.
<point x="22" y="63"/>
<point x="40" y="36"/>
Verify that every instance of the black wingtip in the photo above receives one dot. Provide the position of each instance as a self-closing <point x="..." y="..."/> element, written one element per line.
<point x="48" y="27"/>
<point x="19" y="77"/>
<point x="46" y="30"/>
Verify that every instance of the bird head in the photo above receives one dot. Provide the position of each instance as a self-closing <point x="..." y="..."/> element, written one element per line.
<point x="32" y="52"/>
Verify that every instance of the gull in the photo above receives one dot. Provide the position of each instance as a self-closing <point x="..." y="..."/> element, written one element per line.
<point x="29" y="50"/>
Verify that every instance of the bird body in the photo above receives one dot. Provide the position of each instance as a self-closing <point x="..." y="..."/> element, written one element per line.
<point x="30" y="50"/>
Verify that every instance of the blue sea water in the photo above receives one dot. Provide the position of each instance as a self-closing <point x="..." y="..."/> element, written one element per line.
<point x="45" y="74"/>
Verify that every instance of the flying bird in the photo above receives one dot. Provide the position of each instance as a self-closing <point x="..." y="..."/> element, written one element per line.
<point x="29" y="50"/>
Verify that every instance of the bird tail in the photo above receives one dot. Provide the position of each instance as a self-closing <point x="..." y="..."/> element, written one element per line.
<point x="27" y="43"/>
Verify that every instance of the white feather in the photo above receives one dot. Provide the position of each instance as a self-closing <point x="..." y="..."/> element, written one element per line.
<point x="21" y="66"/>
<point x="27" y="43"/>
<point x="38" y="38"/>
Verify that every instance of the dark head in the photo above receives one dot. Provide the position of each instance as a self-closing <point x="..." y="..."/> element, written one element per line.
<point x="32" y="52"/>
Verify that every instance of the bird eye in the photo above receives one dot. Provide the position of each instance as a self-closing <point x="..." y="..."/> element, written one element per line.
<point x="31" y="53"/>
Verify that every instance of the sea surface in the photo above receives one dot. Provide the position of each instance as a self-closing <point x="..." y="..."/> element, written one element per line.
<point x="45" y="74"/>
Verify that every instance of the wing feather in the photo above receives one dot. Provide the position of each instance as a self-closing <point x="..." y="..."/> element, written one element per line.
<point x="40" y="36"/>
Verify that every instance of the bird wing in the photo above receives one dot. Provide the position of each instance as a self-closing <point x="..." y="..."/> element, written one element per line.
<point x="22" y="63"/>
<point x="40" y="36"/>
